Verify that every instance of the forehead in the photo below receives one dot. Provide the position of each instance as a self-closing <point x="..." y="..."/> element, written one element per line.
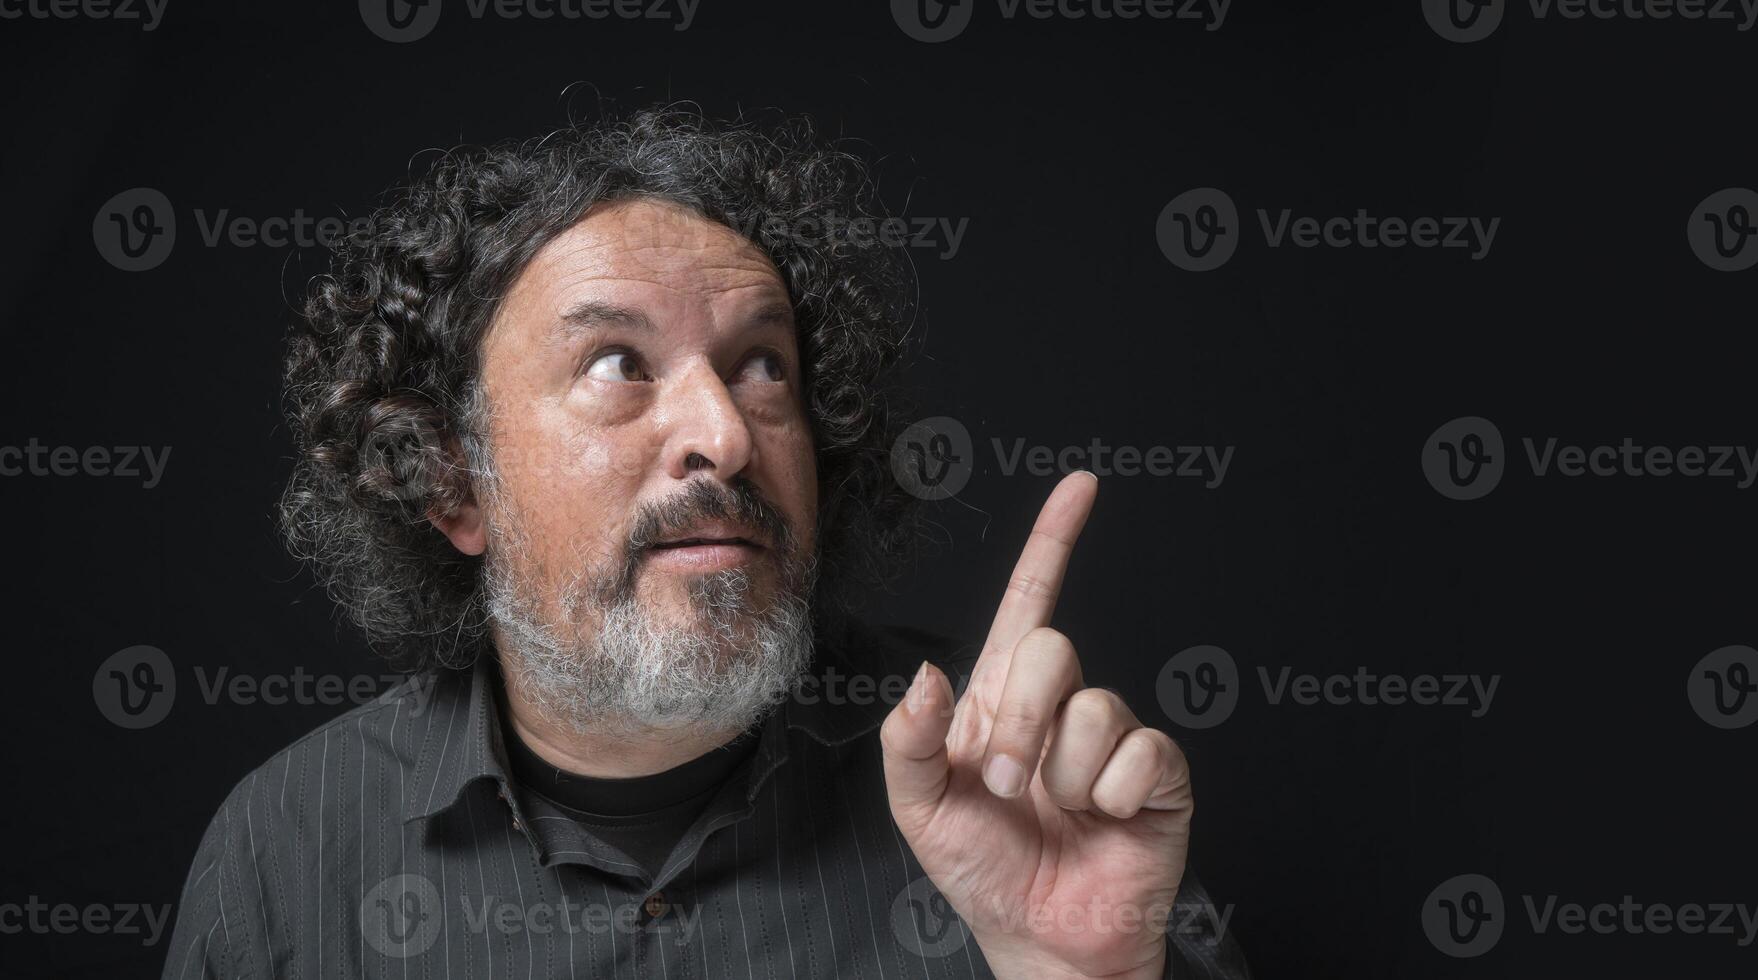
<point x="645" y="251"/>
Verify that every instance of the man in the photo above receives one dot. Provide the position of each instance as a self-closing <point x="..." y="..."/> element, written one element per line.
<point x="593" y="439"/>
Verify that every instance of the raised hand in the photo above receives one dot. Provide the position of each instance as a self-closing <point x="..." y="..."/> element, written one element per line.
<point x="1051" y="819"/>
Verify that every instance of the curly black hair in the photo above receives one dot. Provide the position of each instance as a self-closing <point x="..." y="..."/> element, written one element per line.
<point x="382" y="368"/>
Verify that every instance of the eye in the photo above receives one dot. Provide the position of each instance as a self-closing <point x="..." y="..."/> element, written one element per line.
<point x="617" y="365"/>
<point x="763" y="366"/>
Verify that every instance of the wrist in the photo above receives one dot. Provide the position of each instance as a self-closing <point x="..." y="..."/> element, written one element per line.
<point x="1009" y="962"/>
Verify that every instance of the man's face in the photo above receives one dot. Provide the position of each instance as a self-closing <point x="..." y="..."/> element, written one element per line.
<point x="653" y="468"/>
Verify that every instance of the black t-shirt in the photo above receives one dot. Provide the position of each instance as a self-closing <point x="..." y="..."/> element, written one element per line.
<point x="644" y="816"/>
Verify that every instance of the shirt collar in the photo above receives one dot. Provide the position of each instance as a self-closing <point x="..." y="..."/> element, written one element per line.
<point x="856" y="678"/>
<point x="463" y="743"/>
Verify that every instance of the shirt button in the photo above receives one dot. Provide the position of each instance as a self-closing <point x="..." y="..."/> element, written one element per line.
<point x="655" y="905"/>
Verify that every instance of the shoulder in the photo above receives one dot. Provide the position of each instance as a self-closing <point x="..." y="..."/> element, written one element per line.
<point x="353" y="761"/>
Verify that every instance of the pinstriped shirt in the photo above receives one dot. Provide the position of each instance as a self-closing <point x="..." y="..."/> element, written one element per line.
<point x="391" y="843"/>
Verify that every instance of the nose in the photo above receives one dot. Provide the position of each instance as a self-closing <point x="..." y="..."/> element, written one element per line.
<point x="708" y="432"/>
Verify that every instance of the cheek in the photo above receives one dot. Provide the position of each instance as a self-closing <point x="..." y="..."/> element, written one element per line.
<point x="572" y="485"/>
<point x="793" y="466"/>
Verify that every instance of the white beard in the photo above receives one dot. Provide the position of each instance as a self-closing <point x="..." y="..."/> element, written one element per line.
<point x="611" y="664"/>
<point x="637" y="674"/>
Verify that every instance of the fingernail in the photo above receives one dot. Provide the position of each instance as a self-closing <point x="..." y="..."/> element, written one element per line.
<point x="1004" y="776"/>
<point x="918" y="695"/>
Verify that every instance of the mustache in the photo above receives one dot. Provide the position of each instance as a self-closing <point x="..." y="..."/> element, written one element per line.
<point x="699" y="501"/>
<point x="703" y="500"/>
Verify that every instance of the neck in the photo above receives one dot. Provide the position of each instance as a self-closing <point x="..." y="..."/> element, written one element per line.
<point x="621" y="753"/>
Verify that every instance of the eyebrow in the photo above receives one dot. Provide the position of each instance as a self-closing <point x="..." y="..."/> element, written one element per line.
<point x="592" y="314"/>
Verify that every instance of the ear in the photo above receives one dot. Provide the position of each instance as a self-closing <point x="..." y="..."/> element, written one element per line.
<point x="463" y="526"/>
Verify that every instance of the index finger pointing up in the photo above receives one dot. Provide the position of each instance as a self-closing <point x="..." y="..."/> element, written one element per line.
<point x="1031" y="593"/>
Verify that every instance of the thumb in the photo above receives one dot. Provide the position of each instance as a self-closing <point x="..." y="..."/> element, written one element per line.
<point x="913" y="740"/>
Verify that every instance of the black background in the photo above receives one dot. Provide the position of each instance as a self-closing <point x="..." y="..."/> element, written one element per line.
<point x="1058" y="320"/>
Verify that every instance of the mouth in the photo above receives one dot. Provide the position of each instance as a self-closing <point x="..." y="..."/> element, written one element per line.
<point x="705" y="549"/>
<point x="703" y="542"/>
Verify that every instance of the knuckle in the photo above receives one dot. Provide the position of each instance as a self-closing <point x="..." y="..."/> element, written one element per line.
<point x="1151" y="745"/>
<point x="1066" y="789"/>
<point x="1110" y="800"/>
<point x="1094" y="708"/>
<point x="1031" y="586"/>
<point x="1167" y="750"/>
<point x="1045" y="644"/>
<point x="889" y="735"/>
<point x="894" y="733"/>
<point x="1019" y="718"/>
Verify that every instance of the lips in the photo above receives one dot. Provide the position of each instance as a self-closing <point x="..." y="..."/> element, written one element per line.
<point x="703" y="542"/>
<point x="703" y="536"/>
